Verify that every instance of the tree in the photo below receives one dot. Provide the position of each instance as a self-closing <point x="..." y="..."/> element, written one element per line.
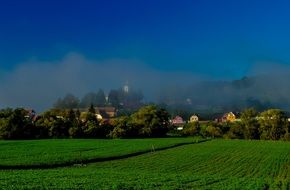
<point x="4" y="128"/>
<point x="16" y="125"/>
<point x="55" y="123"/>
<point x="212" y="130"/>
<point x="73" y="124"/>
<point x="151" y="121"/>
<point x="88" y="99"/>
<point x="91" y="129"/>
<point x="100" y="98"/>
<point x="68" y="102"/>
<point x="78" y="114"/>
<point x="191" y="129"/>
<point x="250" y="123"/>
<point x="58" y="128"/>
<point x="113" y="98"/>
<point x="236" y="131"/>
<point x="92" y="109"/>
<point x="122" y="129"/>
<point x="273" y="124"/>
<point x="5" y="113"/>
<point x="131" y="99"/>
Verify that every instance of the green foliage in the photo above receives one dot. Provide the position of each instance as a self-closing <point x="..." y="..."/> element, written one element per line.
<point x="15" y="124"/>
<point x="150" y="121"/>
<point x="92" y="109"/>
<point x="273" y="124"/>
<point x="91" y="129"/>
<point x="250" y="123"/>
<point x="58" y="129"/>
<point x="191" y="129"/>
<point x="212" y="130"/>
<point x="237" y="131"/>
<point x="225" y="127"/>
<point x="68" y="102"/>
<point x="122" y="128"/>
<point x="5" y="113"/>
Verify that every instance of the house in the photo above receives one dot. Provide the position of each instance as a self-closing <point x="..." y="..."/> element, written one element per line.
<point x="229" y="117"/>
<point x="101" y="112"/>
<point x="193" y="118"/>
<point x="31" y="114"/>
<point x="106" y="112"/>
<point x="177" y="121"/>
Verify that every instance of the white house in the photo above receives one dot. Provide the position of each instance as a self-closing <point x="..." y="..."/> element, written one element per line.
<point x="193" y="118"/>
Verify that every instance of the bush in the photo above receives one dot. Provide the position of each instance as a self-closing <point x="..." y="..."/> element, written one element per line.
<point x="212" y="130"/>
<point x="191" y="129"/>
<point x="236" y="131"/>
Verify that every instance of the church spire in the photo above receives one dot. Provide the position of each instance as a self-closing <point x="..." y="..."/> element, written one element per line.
<point x="126" y="87"/>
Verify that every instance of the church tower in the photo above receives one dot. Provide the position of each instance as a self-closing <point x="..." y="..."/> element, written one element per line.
<point x="126" y="88"/>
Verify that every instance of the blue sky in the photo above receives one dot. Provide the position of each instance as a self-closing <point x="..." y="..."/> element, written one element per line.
<point x="221" y="39"/>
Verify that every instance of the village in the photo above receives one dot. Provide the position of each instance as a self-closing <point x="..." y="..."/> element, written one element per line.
<point x="123" y="102"/>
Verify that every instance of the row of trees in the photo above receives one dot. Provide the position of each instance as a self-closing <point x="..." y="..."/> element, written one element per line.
<point x="116" y="98"/>
<point x="149" y="121"/>
<point x="271" y="124"/>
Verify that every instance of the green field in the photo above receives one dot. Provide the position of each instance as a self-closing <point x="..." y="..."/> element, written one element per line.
<point x="216" y="164"/>
<point x="41" y="153"/>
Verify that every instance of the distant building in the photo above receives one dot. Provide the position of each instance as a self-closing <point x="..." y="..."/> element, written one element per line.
<point x="193" y="118"/>
<point x="177" y="121"/>
<point x="229" y="117"/>
<point x="106" y="112"/>
<point x="99" y="116"/>
<point x="101" y="112"/>
<point x="126" y="88"/>
<point x="31" y="114"/>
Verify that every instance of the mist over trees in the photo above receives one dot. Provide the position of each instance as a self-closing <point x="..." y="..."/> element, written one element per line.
<point x="118" y="98"/>
<point x="68" y="102"/>
<point x="260" y="92"/>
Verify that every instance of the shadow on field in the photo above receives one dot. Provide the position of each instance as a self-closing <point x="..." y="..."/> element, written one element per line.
<point x="93" y="160"/>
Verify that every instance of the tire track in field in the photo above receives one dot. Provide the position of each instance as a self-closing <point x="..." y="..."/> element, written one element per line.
<point x="94" y="160"/>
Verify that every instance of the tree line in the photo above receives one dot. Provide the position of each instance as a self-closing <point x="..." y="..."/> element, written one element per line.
<point x="271" y="124"/>
<point x="117" y="98"/>
<point x="149" y="121"/>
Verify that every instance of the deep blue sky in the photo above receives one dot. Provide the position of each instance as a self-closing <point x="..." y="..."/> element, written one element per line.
<point x="223" y="39"/>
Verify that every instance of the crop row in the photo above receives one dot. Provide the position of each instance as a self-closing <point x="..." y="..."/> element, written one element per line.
<point x="218" y="164"/>
<point x="60" y="151"/>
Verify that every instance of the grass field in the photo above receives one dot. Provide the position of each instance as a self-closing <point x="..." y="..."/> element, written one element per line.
<point x="65" y="151"/>
<point x="216" y="164"/>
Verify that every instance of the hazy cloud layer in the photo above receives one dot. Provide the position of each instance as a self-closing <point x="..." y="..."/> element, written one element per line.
<point x="37" y="84"/>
